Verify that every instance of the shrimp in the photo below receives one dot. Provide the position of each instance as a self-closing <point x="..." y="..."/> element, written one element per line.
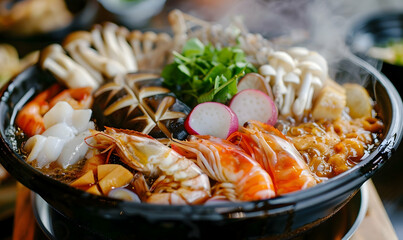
<point x="78" y="98"/>
<point x="30" y="117"/>
<point x="276" y="155"/>
<point x="179" y="180"/>
<point x="230" y="166"/>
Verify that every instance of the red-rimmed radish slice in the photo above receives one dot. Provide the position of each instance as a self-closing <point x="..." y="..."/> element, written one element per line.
<point x="252" y="104"/>
<point x="254" y="81"/>
<point x="211" y="118"/>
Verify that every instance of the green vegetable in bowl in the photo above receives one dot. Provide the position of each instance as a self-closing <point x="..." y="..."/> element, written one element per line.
<point x="203" y="73"/>
<point x="391" y="53"/>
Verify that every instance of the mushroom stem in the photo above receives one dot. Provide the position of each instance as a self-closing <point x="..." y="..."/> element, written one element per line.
<point x="279" y="88"/>
<point x="300" y="102"/>
<point x="66" y="70"/>
<point x="309" y="98"/>
<point x="288" y="100"/>
<point x="107" y="66"/>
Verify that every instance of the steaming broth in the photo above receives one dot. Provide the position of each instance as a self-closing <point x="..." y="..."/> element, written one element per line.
<point x="324" y="132"/>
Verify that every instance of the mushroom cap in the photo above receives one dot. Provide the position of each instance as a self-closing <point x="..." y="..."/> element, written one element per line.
<point x="135" y="35"/>
<point x="122" y="31"/>
<point x="311" y="67"/>
<point x="316" y="82"/>
<point x="110" y="26"/>
<point x="298" y="52"/>
<point x="149" y="36"/>
<point x="283" y="59"/>
<point x="292" y="78"/>
<point x="164" y="37"/>
<point x="318" y="59"/>
<point x="49" y="51"/>
<point x="267" y="70"/>
<point x="77" y="37"/>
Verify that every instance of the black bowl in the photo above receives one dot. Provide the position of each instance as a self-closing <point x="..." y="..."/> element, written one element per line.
<point x="84" y="14"/>
<point x="281" y="217"/>
<point x="378" y="29"/>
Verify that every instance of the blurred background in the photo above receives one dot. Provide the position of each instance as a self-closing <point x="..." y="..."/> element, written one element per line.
<point x="27" y="26"/>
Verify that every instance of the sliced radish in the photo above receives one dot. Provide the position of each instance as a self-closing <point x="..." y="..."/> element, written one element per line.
<point x="254" y="81"/>
<point x="252" y="104"/>
<point x="211" y="118"/>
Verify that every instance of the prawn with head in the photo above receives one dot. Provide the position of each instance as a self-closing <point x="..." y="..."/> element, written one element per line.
<point x="178" y="179"/>
<point x="270" y="148"/>
<point x="238" y="176"/>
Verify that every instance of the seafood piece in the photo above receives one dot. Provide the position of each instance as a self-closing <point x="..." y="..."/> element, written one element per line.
<point x="229" y="165"/>
<point x="179" y="179"/>
<point x="73" y="150"/>
<point x="43" y="149"/>
<point x="78" y="98"/>
<point x="270" y="148"/>
<point x="61" y="141"/>
<point x="139" y="102"/>
<point x="30" y="117"/>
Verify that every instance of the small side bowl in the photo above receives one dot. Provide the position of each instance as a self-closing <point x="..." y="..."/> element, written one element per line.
<point x="84" y="14"/>
<point x="133" y="13"/>
<point x="378" y="29"/>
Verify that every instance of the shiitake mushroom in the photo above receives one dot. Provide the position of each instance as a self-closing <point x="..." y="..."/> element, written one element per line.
<point x="138" y="102"/>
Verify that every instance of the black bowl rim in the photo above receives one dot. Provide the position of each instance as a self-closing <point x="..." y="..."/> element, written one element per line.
<point x="362" y="25"/>
<point x="350" y="180"/>
<point x="81" y="19"/>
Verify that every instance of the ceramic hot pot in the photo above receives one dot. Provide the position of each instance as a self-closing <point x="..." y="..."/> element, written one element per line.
<point x="285" y="216"/>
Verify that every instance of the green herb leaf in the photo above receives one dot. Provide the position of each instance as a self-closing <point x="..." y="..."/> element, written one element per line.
<point x="193" y="47"/>
<point x="203" y="73"/>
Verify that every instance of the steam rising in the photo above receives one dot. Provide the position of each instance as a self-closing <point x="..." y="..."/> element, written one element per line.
<point x="320" y="25"/>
